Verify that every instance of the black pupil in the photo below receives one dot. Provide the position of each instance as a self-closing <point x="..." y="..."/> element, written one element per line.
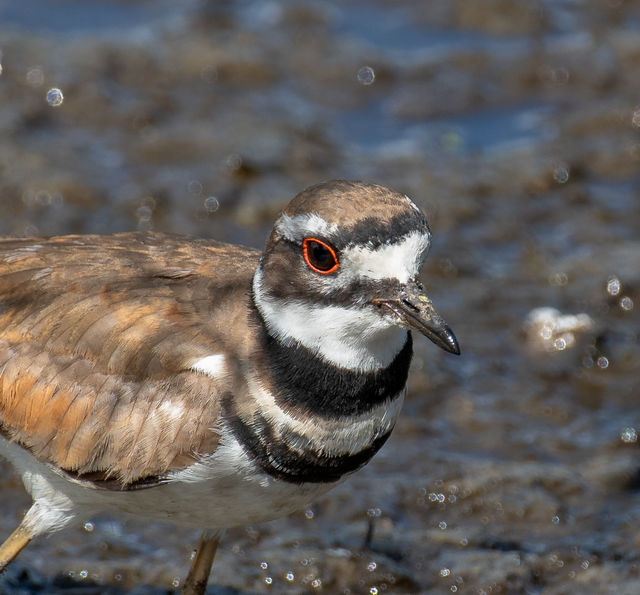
<point x="320" y="256"/>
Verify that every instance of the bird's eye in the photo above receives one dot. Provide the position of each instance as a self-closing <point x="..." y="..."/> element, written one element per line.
<point x="320" y="257"/>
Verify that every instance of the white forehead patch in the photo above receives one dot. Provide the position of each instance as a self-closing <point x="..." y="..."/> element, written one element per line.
<point x="299" y="227"/>
<point x="401" y="260"/>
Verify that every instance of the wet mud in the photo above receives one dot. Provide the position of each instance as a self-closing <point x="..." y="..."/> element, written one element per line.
<point x="515" y="125"/>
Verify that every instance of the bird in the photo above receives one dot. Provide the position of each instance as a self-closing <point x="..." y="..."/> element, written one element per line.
<point x="206" y="384"/>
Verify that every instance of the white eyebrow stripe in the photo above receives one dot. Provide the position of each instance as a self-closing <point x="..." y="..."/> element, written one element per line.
<point x="401" y="260"/>
<point x="295" y="229"/>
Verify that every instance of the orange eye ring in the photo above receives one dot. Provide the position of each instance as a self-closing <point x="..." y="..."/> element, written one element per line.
<point x="319" y="256"/>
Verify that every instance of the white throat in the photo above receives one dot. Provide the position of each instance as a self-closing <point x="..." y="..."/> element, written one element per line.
<point x="351" y="338"/>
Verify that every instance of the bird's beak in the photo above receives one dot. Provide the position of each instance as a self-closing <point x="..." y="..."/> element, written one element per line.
<point x="413" y="309"/>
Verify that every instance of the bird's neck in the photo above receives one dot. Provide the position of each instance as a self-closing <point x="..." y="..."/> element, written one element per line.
<point x="354" y="339"/>
<point x="294" y="356"/>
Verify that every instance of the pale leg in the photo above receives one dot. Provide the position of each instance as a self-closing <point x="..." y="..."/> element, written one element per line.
<point x="14" y="544"/>
<point x="196" y="582"/>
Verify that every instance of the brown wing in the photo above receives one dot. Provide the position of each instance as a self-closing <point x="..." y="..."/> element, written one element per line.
<point x="97" y="334"/>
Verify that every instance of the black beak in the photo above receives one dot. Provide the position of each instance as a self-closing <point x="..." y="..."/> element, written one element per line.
<point x="413" y="309"/>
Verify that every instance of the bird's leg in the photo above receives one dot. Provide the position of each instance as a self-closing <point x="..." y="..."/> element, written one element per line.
<point x="14" y="544"/>
<point x="196" y="582"/>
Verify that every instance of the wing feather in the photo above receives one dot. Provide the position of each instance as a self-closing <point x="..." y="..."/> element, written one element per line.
<point x="97" y="337"/>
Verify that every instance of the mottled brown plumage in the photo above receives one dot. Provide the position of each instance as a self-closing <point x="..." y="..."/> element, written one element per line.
<point x="97" y="335"/>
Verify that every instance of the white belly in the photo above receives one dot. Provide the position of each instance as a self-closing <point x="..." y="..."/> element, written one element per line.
<point x="225" y="490"/>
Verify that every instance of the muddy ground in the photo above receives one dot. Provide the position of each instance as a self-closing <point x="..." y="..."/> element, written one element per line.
<point x="515" y="125"/>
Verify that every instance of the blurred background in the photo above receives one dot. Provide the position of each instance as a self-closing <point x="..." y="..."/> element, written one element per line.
<point x="514" y="124"/>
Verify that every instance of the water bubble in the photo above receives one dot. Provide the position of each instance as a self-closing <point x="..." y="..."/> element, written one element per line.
<point x="442" y="525"/>
<point x="233" y="161"/>
<point x="316" y="583"/>
<point x="290" y="576"/>
<point x="309" y="514"/>
<point x="445" y="572"/>
<point x="268" y="580"/>
<point x="602" y="362"/>
<point x="194" y="187"/>
<point x="555" y="520"/>
<point x="54" y="97"/>
<point x="374" y="512"/>
<point x="553" y="330"/>
<point x="83" y="574"/>
<point x="560" y="344"/>
<point x="628" y="435"/>
<point x="371" y="566"/>
<point x="88" y="527"/>
<point x="35" y="76"/>
<point x="264" y="565"/>
<point x="560" y="75"/>
<point x="585" y="564"/>
<point x="453" y="589"/>
<point x="558" y="279"/>
<point x="373" y="591"/>
<point x="626" y="303"/>
<point x="144" y="213"/>
<point x="366" y="75"/>
<point x="175" y="583"/>
<point x="561" y="174"/>
<point x="613" y="286"/>
<point x="40" y="198"/>
<point x="211" y="204"/>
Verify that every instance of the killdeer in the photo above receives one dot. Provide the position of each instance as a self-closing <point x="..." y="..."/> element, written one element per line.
<point x="206" y="384"/>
